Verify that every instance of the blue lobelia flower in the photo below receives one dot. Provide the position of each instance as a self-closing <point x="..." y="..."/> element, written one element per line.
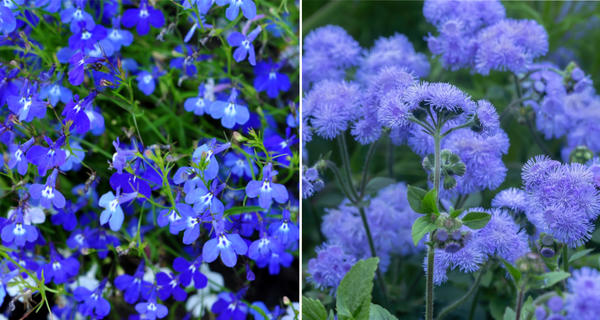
<point x="189" y="271"/>
<point x="8" y="23"/>
<point x="189" y="221"/>
<point x="113" y="213"/>
<point x="202" y="5"/>
<point x="18" y="232"/>
<point x="150" y="309"/>
<point x="244" y="45"/>
<point x="119" y="37"/>
<point x="77" y="64"/>
<point x="86" y="39"/>
<point x="48" y="194"/>
<point x="26" y="104"/>
<point x="239" y="165"/>
<point x="197" y="22"/>
<point x="206" y="199"/>
<point x="146" y="80"/>
<point x="286" y="232"/>
<point x="230" y="112"/>
<point x="91" y="303"/>
<point x="168" y="285"/>
<point x="134" y="287"/>
<point x="121" y="156"/>
<point x="74" y="111"/>
<point x="17" y="156"/>
<point x="269" y="79"/>
<point x="74" y="157"/>
<point x="59" y="269"/>
<point x="76" y="14"/>
<point x="200" y="104"/>
<point x="248" y="8"/>
<point x="46" y="158"/>
<point x="204" y="155"/>
<point x="143" y="17"/>
<point x="228" y="246"/>
<point x="266" y="190"/>
<point x="230" y="306"/>
<point x="55" y="92"/>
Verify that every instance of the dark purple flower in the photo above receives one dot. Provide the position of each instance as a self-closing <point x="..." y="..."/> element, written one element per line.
<point x="143" y="17"/>
<point x="188" y="271"/>
<point x="269" y="79"/>
<point x="85" y="39"/>
<point x="134" y="287"/>
<point x="46" y="158"/>
<point x="229" y="307"/>
<point x="77" y="64"/>
<point x="59" y="269"/>
<point x="91" y="303"/>
<point x="17" y="156"/>
<point x="189" y="221"/>
<point x="75" y="112"/>
<point x="168" y="285"/>
<point x="26" y="104"/>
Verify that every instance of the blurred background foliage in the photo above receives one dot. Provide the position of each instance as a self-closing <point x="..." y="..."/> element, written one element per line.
<point x="573" y="28"/>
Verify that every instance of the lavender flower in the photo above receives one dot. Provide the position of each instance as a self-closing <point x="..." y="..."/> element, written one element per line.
<point x="583" y="301"/>
<point x="329" y="267"/>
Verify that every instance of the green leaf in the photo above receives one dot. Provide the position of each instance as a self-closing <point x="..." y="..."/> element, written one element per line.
<point x="354" y="292"/>
<point x="421" y="227"/>
<point x="429" y="202"/>
<point x="476" y="219"/>
<point x="313" y="309"/>
<point x="549" y="279"/>
<point x="514" y="272"/>
<point x="580" y="254"/>
<point x="528" y="308"/>
<point x="509" y="314"/>
<point x="377" y="312"/>
<point x="415" y="197"/>
<point x="455" y="213"/>
<point x="239" y="210"/>
<point x="378" y="183"/>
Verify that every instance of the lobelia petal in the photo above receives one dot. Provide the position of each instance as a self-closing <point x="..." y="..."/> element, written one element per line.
<point x="228" y="257"/>
<point x="235" y="39"/>
<point x="143" y="27"/>
<point x="251" y="55"/>
<point x="249" y="9"/>
<point x="35" y="190"/>
<point x="238" y="244"/>
<point x="58" y="200"/>
<point x="210" y="251"/>
<point x="240" y="54"/>
<point x="156" y="18"/>
<point x="279" y="193"/>
<point x="253" y="188"/>
<point x="161" y="311"/>
<point x="116" y="220"/>
<point x="232" y="12"/>
<point x="190" y="235"/>
<point x="242" y="115"/>
<point x="130" y="18"/>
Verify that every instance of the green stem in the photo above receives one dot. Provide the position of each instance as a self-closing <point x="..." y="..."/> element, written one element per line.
<point x="363" y="216"/>
<point x="462" y="299"/>
<point x="346" y="164"/>
<point x="363" y="181"/>
<point x="519" y="303"/>
<point x="565" y="258"/>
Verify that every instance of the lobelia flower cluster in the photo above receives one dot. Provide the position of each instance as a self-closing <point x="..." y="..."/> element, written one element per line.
<point x="381" y="93"/>
<point x="116" y="197"/>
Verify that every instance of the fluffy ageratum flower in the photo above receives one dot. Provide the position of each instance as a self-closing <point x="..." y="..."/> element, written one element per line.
<point x="510" y="45"/>
<point x="563" y="199"/>
<point x="265" y="190"/>
<point x="244" y="45"/>
<point x="47" y="194"/>
<point x="389" y="215"/>
<point x="439" y="96"/>
<point x="502" y="237"/>
<point x="143" y="17"/>
<point x="582" y="110"/>
<point x="487" y="117"/>
<point x="458" y="23"/>
<point x="511" y="198"/>
<point x="311" y="182"/>
<point x="330" y="107"/>
<point x="468" y="259"/>
<point x="329" y="267"/>
<point x="583" y="300"/>
<point x="394" y="51"/>
<point x="482" y="156"/>
<point x="328" y="52"/>
<point x="550" y="115"/>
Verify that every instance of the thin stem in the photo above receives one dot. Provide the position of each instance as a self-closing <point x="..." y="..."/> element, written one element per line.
<point x="365" y="222"/>
<point x="429" y="292"/>
<point x="363" y="181"/>
<point x="519" y="303"/>
<point x="390" y="157"/>
<point x="565" y="258"/>
<point x="462" y="299"/>
<point x="346" y="163"/>
<point x="339" y="178"/>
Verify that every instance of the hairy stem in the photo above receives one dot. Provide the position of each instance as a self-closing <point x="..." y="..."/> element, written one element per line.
<point x="462" y="299"/>
<point x="430" y="250"/>
<point x="519" y="303"/>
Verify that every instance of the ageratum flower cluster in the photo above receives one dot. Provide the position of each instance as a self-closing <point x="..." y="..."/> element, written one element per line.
<point x="119" y="202"/>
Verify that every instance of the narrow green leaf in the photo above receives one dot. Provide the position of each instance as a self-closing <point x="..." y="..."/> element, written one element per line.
<point x="239" y="210"/>
<point x="580" y="254"/>
<point x="354" y="291"/>
<point x="455" y="213"/>
<point x="429" y="202"/>
<point x="379" y="313"/>
<point x="415" y="197"/>
<point x="313" y="309"/>
<point x="476" y="219"/>
<point x="421" y="227"/>
<point x="549" y="279"/>
<point x="514" y="272"/>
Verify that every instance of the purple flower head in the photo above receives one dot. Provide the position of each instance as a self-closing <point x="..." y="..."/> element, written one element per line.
<point x="75" y="112"/>
<point x="396" y="51"/>
<point x="8" y="23"/>
<point x="17" y="156"/>
<point x="59" y="269"/>
<point x="151" y="309"/>
<point x="230" y="306"/>
<point x="189" y="271"/>
<point x="91" y="303"/>
<point x="441" y="97"/>
<point x="511" y="198"/>
<point x="266" y="190"/>
<point x="48" y="194"/>
<point x="330" y="107"/>
<point x="311" y="182"/>
<point x="77" y="17"/>
<point x="248" y="8"/>
<point x="143" y="17"/>
<point x="228" y="246"/>
<point x="168" y="285"/>
<point x="328" y="268"/>
<point x="113" y="213"/>
<point x="205" y="157"/>
<point x="66" y="217"/>
<point x="510" y="45"/>
<point x="26" y="103"/>
<point x="261" y="249"/>
<point x="328" y="52"/>
<point x="46" y="158"/>
<point x="17" y="232"/>
<point x="244" y="45"/>
<point x="206" y="199"/>
<point x="269" y="79"/>
<point x="230" y="112"/>
<point x="583" y="300"/>
<point x="487" y="117"/>
<point x="134" y="287"/>
<point x="502" y="237"/>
